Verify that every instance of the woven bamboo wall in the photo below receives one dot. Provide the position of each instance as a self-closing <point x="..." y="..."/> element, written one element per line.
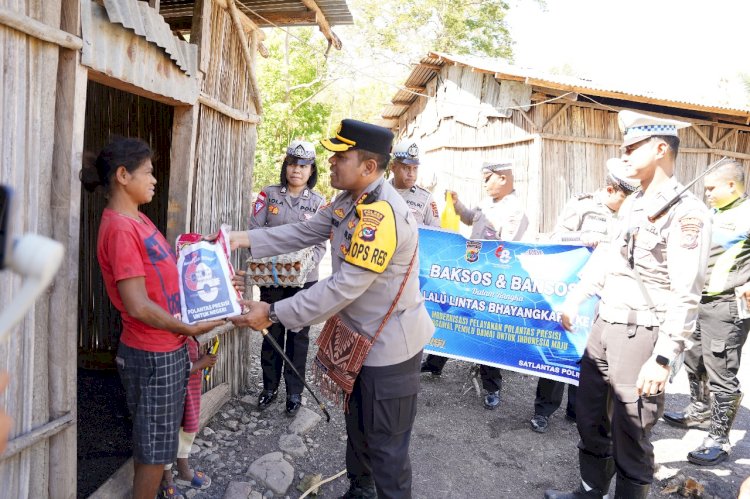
<point x="224" y="157"/>
<point x="559" y="147"/>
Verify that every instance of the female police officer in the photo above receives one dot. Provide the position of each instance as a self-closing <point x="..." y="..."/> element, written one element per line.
<point x="290" y="201"/>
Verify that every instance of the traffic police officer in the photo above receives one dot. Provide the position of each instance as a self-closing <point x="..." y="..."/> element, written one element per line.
<point x="721" y="331"/>
<point x="292" y="200"/>
<point x="383" y="405"/>
<point x="649" y="279"/>
<point x="587" y="219"/>
<point x="405" y="167"/>
<point x="500" y="217"/>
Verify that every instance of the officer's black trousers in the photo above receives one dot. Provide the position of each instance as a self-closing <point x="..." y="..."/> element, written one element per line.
<point x="549" y="396"/>
<point x="295" y="347"/>
<point x="613" y="420"/>
<point x="379" y="420"/>
<point x="718" y="341"/>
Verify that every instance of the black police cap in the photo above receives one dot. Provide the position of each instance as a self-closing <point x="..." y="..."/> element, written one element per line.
<point x="353" y="134"/>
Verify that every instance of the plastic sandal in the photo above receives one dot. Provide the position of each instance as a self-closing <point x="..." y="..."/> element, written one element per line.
<point x="169" y="491"/>
<point x="200" y="481"/>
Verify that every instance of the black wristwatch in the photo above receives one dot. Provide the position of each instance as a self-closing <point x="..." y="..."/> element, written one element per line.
<point x="272" y="314"/>
<point x="662" y="361"/>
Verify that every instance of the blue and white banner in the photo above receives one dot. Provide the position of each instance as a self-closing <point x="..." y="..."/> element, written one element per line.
<point x="497" y="303"/>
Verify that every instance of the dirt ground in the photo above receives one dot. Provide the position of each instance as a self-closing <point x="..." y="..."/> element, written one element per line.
<point x="459" y="449"/>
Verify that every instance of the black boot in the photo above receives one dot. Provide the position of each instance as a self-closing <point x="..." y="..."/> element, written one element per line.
<point x="362" y="487"/>
<point x="698" y="413"/>
<point x="627" y="489"/>
<point x="715" y="448"/>
<point x="596" y="473"/>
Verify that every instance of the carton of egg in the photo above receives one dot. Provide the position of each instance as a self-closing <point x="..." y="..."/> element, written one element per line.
<point x="287" y="270"/>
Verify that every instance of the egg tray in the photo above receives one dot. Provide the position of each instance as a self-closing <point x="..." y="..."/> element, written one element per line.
<point x="287" y="270"/>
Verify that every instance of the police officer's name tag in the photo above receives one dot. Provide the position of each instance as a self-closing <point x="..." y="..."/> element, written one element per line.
<point x="374" y="240"/>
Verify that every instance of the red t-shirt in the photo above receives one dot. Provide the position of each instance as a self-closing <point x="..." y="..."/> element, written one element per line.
<point x="126" y="249"/>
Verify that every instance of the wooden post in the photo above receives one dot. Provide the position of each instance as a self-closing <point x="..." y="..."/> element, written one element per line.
<point x="70" y="109"/>
<point x="182" y="170"/>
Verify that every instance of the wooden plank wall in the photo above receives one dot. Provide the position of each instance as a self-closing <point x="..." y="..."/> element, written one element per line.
<point x="27" y="103"/>
<point x="559" y="147"/>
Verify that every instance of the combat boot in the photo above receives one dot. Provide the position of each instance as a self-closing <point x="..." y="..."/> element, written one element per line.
<point x="596" y="474"/>
<point x="716" y="446"/>
<point x="362" y="487"/>
<point x="698" y="412"/>
<point x="627" y="489"/>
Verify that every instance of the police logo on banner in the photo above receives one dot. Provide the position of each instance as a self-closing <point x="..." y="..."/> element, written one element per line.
<point x="472" y="251"/>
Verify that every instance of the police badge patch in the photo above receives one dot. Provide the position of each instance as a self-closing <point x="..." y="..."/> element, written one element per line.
<point x="260" y="202"/>
<point x="690" y="228"/>
<point x="375" y="239"/>
<point x="434" y="207"/>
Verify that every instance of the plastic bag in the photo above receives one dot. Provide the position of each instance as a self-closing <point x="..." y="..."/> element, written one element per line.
<point x="206" y="290"/>
<point x="449" y="219"/>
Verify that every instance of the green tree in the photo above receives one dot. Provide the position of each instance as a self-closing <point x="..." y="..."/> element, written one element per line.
<point x="291" y="80"/>
<point x="414" y="27"/>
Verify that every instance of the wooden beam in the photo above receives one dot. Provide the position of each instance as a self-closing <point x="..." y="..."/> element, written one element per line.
<point x="228" y="111"/>
<point x="416" y="89"/>
<point x="119" y="485"/>
<point x="212" y="401"/>
<point x="285" y="18"/>
<point x="586" y="140"/>
<point x="235" y="15"/>
<point x="501" y="143"/>
<point x="702" y="136"/>
<point x="245" y="21"/>
<point x="718" y="152"/>
<point x="729" y="133"/>
<point x="325" y="28"/>
<point x="525" y="116"/>
<point x="200" y="32"/>
<point x="39" y="30"/>
<point x="554" y="116"/>
<point x="65" y="204"/>
<point x="434" y="67"/>
<point x="36" y="435"/>
<point x="402" y="102"/>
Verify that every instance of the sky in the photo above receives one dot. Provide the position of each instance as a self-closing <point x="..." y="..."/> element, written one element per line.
<point x="704" y="44"/>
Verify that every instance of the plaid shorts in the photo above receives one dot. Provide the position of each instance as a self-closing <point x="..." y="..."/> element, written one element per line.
<point x="154" y="385"/>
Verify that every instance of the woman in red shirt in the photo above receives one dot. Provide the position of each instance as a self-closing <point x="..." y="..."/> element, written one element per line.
<point x="139" y="269"/>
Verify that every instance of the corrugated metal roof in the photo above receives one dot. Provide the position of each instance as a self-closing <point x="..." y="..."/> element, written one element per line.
<point x="121" y="54"/>
<point x="712" y="99"/>
<point x="146" y="22"/>
<point x="269" y="12"/>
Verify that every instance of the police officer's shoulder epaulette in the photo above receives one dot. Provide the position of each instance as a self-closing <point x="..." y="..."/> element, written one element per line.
<point x="583" y="195"/>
